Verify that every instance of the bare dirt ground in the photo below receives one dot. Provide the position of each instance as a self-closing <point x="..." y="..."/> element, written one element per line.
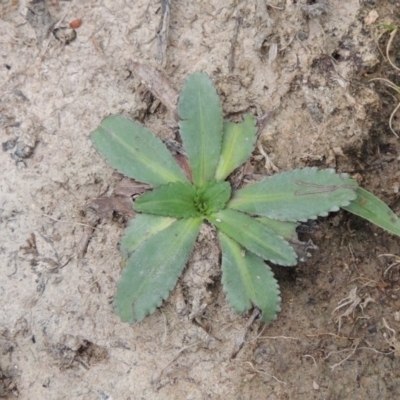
<point x="311" y="62"/>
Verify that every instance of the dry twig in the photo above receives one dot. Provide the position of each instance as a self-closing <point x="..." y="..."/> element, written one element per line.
<point x="231" y="62"/>
<point x="241" y="339"/>
<point x="162" y="32"/>
<point x="158" y="85"/>
<point x="261" y="372"/>
<point x="397" y="89"/>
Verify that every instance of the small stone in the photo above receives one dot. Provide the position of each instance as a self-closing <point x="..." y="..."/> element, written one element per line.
<point x="9" y="144"/>
<point x="20" y="164"/>
<point x="64" y="35"/>
<point x="371" y="17"/>
<point x="23" y="150"/>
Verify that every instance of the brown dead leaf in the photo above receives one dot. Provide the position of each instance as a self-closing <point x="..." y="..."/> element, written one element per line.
<point x="107" y="206"/>
<point x="184" y="164"/>
<point x="158" y="85"/>
<point x="128" y="188"/>
<point x="120" y="201"/>
<point x="371" y="17"/>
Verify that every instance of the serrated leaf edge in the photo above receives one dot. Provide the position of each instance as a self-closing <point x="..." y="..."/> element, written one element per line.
<point x="168" y="175"/>
<point x="162" y="297"/>
<point x="267" y="229"/>
<point x="275" y="282"/>
<point x="344" y="203"/>
<point x="201" y="179"/>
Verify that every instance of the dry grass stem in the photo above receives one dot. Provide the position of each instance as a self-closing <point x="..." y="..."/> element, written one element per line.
<point x="393" y="86"/>
<point x="259" y="371"/>
<point x="351" y="302"/>
<point x="269" y="165"/>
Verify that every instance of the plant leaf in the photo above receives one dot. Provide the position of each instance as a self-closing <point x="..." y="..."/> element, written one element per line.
<point x="296" y="195"/>
<point x="171" y="200"/>
<point x="200" y="126"/>
<point x="254" y="236"/>
<point x="136" y="152"/>
<point x="139" y="230"/>
<point x="374" y="210"/>
<point x="286" y="229"/>
<point x="238" y="142"/>
<point x="153" y="269"/>
<point x="248" y="281"/>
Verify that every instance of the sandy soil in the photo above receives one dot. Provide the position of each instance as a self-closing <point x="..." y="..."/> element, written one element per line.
<point x="311" y="62"/>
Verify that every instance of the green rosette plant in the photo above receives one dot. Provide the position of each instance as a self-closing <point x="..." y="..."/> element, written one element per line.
<point x="254" y="223"/>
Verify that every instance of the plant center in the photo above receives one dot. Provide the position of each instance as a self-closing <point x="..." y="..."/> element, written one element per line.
<point x="212" y="197"/>
<point x="201" y="204"/>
